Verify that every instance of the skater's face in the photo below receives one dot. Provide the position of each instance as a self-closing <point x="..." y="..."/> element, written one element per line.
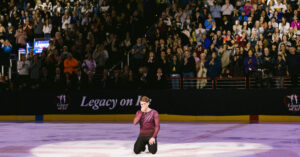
<point x="144" y="104"/>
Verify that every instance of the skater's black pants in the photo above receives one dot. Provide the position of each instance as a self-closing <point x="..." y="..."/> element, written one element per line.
<point x="141" y="142"/>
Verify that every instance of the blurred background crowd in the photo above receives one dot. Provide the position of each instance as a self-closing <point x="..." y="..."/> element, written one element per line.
<point x="142" y="44"/>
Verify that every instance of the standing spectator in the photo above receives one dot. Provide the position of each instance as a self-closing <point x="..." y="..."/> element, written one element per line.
<point x="138" y="52"/>
<point x="35" y="67"/>
<point x="101" y="56"/>
<point x="21" y="36"/>
<point x="38" y="27"/>
<point x="227" y="9"/>
<point x="280" y="70"/>
<point x="295" y="23"/>
<point x="216" y="12"/>
<point x="58" y="79"/>
<point x="201" y="72"/>
<point x="23" y="67"/>
<point x="250" y="65"/>
<point x="189" y="68"/>
<point x="267" y="63"/>
<point x="79" y="81"/>
<point x="208" y="22"/>
<point x="284" y="26"/>
<point x="28" y="28"/>
<point x="5" y="52"/>
<point x="2" y="30"/>
<point x="58" y="8"/>
<point x="243" y="18"/>
<point x="47" y="28"/>
<point x="175" y="71"/>
<point x="70" y="64"/>
<point x="66" y="20"/>
<point x="47" y="5"/>
<point x="160" y="81"/>
<point x="213" y="66"/>
<point x="247" y="8"/>
<point x="236" y="65"/>
<point x="293" y="61"/>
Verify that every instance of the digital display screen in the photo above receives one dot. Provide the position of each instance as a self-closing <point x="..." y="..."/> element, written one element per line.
<point x="22" y="51"/>
<point x="39" y="45"/>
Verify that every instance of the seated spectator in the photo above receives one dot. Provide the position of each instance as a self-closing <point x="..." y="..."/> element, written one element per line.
<point x="89" y="64"/>
<point x="70" y="64"/>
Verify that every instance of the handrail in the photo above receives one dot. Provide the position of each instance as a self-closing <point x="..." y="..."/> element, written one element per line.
<point x="281" y="81"/>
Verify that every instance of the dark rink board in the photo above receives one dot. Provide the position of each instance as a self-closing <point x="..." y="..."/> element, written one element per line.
<point x="178" y="102"/>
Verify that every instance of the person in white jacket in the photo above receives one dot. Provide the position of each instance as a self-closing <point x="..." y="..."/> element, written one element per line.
<point x="23" y="70"/>
<point x="23" y="66"/>
<point x="47" y="28"/>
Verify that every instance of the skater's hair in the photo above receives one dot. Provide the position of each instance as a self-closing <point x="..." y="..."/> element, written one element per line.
<point x="145" y="99"/>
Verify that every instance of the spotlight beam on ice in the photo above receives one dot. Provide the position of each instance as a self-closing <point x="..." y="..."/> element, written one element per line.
<point x="113" y="148"/>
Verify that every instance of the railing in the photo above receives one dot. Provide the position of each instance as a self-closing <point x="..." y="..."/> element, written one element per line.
<point x="228" y="82"/>
<point x="7" y="71"/>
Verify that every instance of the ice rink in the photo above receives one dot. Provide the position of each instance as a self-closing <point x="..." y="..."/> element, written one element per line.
<point x="174" y="140"/>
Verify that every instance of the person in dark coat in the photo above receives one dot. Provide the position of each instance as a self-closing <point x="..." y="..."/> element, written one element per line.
<point x="293" y="64"/>
<point x="251" y="66"/>
<point x="160" y="81"/>
<point x="213" y="66"/>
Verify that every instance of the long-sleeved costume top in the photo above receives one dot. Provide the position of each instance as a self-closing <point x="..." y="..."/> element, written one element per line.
<point x="149" y="123"/>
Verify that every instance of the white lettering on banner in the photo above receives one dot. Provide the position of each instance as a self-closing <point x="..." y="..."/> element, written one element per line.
<point x="138" y="101"/>
<point x="126" y="102"/>
<point x="95" y="104"/>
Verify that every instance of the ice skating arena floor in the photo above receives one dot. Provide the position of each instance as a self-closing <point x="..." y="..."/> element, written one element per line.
<point x="174" y="140"/>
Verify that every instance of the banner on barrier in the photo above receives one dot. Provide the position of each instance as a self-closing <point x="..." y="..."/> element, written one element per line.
<point x="180" y="102"/>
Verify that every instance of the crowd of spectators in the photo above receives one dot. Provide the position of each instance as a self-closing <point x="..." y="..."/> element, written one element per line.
<point x="138" y="44"/>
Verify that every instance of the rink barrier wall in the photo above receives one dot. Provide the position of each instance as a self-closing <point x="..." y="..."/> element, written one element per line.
<point x="162" y="117"/>
<point x="173" y="105"/>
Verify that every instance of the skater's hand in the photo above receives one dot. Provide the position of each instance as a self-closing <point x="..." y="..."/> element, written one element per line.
<point x="143" y="109"/>
<point x="152" y="141"/>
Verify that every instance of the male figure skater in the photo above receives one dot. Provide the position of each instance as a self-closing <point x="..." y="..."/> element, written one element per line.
<point x="149" y="127"/>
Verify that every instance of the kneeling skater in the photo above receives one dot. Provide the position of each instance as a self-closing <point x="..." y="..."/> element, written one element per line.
<point x="149" y="127"/>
